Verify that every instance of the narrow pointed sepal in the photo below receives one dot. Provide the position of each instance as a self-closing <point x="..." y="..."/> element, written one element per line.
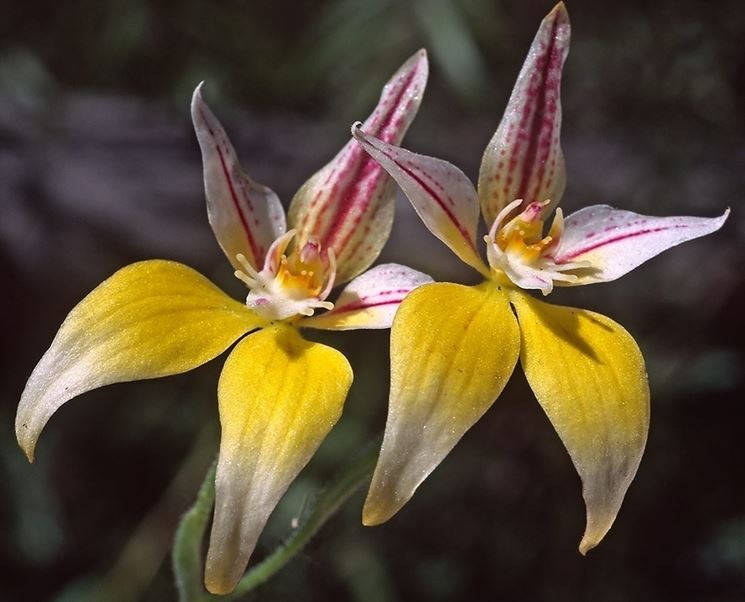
<point x="453" y="348"/>
<point x="441" y="194"/>
<point x="245" y="216"/>
<point x="588" y="375"/>
<point x="370" y="300"/>
<point x="279" y="397"/>
<point x="348" y="205"/>
<point x="149" y="319"/>
<point x="523" y="160"/>
<point x="612" y="242"/>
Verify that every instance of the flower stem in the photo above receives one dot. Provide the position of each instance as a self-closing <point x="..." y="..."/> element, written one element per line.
<point x="187" y="545"/>
<point x="187" y="558"/>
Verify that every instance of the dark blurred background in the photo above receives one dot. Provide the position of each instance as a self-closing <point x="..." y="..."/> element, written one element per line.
<point x="99" y="167"/>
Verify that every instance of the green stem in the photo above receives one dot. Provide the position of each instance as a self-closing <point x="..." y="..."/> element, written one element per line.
<point x="187" y="545"/>
<point x="187" y="557"/>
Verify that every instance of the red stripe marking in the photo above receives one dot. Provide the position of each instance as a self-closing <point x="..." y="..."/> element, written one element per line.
<point x="539" y="96"/>
<point x="348" y="308"/>
<point x="438" y="200"/>
<point x="374" y="171"/>
<point x="255" y="250"/>
<point x="362" y="304"/>
<point x="603" y="243"/>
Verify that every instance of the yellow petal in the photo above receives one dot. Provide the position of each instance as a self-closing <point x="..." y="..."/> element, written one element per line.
<point x="279" y="397"/>
<point x="453" y="348"/>
<point x="149" y="319"/>
<point x="588" y="375"/>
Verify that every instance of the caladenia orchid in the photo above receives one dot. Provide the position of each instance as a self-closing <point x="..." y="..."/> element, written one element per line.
<point x="279" y="394"/>
<point x="453" y="347"/>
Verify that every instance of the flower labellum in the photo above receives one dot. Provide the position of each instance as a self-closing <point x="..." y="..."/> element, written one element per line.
<point x="279" y="394"/>
<point x="586" y="371"/>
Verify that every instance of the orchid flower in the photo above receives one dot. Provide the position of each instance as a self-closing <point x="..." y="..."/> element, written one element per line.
<point x="453" y="347"/>
<point x="279" y="394"/>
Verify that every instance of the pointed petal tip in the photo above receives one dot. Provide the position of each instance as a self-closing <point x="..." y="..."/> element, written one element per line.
<point x="559" y="10"/>
<point x="27" y="447"/>
<point x="419" y="58"/>
<point x="24" y="435"/>
<point x="29" y="451"/>
<point x="590" y="540"/>
<point x="376" y="513"/>
<point x="199" y="109"/>
<point x="196" y="97"/>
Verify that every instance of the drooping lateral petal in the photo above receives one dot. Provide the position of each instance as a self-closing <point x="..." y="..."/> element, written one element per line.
<point x="453" y="348"/>
<point x="149" y="319"/>
<point x="614" y="242"/>
<point x="279" y="397"/>
<point x="245" y="216"/>
<point x="371" y="299"/>
<point x="523" y="160"/>
<point x="348" y="205"/>
<point x="440" y="193"/>
<point x="588" y="375"/>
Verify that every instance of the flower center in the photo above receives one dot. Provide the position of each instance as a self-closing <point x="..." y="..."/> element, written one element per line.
<point x="523" y="236"/>
<point x="519" y="250"/>
<point x="290" y="284"/>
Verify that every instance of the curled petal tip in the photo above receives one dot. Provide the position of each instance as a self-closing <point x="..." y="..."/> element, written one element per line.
<point x="356" y="128"/>
<point x="28" y="447"/>
<point x="592" y="538"/>
<point x="196" y="98"/>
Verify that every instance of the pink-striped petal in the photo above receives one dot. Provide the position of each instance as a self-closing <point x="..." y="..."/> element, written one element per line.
<point x="245" y="216"/>
<point x="441" y="194"/>
<point x="371" y="299"/>
<point x="524" y="160"/>
<point x="348" y="205"/>
<point x="614" y="242"/>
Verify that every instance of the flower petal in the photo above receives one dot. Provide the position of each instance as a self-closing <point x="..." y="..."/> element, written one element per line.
<point x="588" y="375"/>
<point x="348" y="205"/>
<point x="149" y="319"/>
<point x="453" y="348"/>
<point x="279" y="397"/>
<point x="524" y="160"/>
<point x="245" y="216"/>
<point x="614" y="242"/>
<point x="441" y="194"/>
<point x="371" y="299"/>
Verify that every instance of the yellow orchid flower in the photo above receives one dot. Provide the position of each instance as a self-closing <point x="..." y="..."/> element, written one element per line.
<point x="279" y="394"/>
<point x="454" y="347"/>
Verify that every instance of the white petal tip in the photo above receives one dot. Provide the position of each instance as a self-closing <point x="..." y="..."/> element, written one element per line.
<point x="356" y="128"/>
<point x="197" y="96"/>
